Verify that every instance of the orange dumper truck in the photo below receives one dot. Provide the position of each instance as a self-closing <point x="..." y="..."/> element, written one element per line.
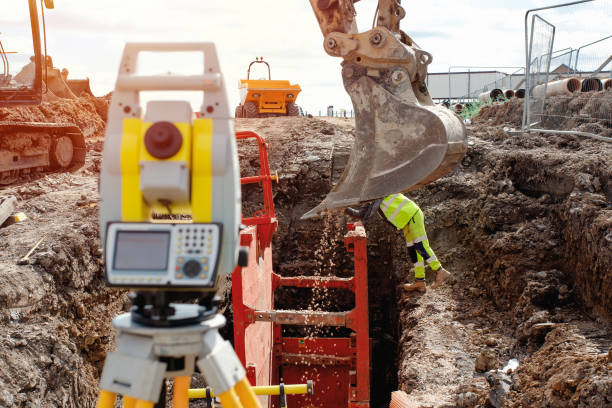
<point x="260" y="98"/>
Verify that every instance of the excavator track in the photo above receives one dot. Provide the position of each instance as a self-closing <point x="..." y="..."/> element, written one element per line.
<point x="30" y="147"/>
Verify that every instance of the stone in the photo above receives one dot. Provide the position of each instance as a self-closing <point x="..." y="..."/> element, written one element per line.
<point x="500" y="386"/>
<point x="486" y="360"/>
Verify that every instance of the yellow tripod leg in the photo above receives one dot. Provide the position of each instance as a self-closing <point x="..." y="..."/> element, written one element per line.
<point x="143" y="404"/>
<point x="246" y="394"/>
<point x="129" y="402"/>
<point x="181" y="388"/>
<point x="229" y="399"/>
<point x="106" y="399"/>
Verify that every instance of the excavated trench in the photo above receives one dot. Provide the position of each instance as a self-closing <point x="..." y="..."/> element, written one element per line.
<point x="523" y="224"/>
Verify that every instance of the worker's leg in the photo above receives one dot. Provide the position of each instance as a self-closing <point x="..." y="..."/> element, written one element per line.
<point x="422" y="247"/>
<point x="417" y="260"/>
<point x="421" y="243"/>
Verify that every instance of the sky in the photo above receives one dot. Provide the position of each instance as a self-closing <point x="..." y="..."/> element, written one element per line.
<point x="87" y="36"/>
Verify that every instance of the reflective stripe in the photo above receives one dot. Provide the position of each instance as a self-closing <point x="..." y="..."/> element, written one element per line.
<point x="397" y="210"/>
<point x="431" y="259"/>
<point x="420" y="239"/>
<point x="409" y="244"/>
<point x="387" y="202"/>
<point x="421" y="264"/>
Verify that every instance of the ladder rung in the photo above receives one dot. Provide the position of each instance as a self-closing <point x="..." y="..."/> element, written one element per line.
<point x="315" y="359"/>
<point x="316" y="282"/>
<point x="301" y="318"/>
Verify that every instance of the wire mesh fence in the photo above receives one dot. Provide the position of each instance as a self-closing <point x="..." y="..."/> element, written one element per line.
<point x="510" y="82"/>
<point x="539" y="56"/>
<point x="466" y="83"/>
<point x="569" y="90"/>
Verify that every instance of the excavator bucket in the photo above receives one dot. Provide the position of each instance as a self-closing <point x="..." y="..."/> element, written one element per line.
<point x="56" y="83"/>
<point x="401" y="142"/>
<point x="78" y="86"/>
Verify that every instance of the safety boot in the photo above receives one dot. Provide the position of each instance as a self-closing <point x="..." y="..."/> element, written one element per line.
<point x="441" y="276"/>
<point x="418" y="286"/>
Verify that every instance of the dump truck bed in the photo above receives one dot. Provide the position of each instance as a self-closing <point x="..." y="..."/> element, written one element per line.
<point x="271" y="96"/>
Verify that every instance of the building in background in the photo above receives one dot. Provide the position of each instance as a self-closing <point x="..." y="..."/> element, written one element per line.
<point x="467" y="85"/>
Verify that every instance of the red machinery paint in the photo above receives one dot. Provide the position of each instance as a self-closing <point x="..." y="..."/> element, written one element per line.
<point x="339" y="366"/>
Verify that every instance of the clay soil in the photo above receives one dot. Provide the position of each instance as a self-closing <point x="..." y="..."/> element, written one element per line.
<point x="524" y="224"/>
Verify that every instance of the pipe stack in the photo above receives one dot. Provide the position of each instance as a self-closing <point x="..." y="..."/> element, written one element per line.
<point x="520" y="93"/>
<point x="494" y="95"/>
<point x="562" y="87"/>
<point x="591" y="85"/>
<point x="509" y="93"/>
<point x="608" y="84"/>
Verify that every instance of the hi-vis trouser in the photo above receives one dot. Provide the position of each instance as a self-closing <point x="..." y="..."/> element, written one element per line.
<point x="418" y="246"/>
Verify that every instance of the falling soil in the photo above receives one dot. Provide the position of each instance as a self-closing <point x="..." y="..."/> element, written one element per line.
<point x="524" y="224"/>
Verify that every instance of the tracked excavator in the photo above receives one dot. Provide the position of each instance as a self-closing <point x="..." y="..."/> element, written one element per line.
<point x="27" y="147"/>
<point x="402" y="140"/>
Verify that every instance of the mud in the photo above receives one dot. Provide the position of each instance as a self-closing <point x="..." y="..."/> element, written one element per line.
<point x="523" y="224"/>
<point x="55" y="310"/>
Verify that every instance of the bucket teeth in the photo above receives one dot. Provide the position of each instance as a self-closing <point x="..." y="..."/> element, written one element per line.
<point x="400" y="144"/>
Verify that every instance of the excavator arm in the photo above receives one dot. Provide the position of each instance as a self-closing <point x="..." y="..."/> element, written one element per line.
<point x="402" y="139"/>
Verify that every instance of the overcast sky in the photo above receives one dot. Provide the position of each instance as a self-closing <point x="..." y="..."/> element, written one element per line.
<point x="87" y="36"/>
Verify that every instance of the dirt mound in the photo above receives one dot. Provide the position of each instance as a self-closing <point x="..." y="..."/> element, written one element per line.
<point x="89" y="113"/>
<point x="55" y="313"/>
<point x="510" y="113"/>
<point x="585" y="112"/>
<point x="567" y="371"/>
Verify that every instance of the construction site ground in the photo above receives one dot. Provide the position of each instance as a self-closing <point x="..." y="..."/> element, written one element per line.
<point x="524" y="224"/>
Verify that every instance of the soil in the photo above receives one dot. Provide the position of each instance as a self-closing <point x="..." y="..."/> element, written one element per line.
<point x="524" y="225"/>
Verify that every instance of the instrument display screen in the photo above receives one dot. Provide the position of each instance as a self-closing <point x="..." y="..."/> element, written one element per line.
<point x="142" y="250"/>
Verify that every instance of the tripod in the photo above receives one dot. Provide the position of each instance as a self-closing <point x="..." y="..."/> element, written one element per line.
<point x="158" y="340"/>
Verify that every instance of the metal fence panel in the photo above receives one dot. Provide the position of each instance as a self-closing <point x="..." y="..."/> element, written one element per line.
<point x="538" y="67"/>
<point x="587" y="110"/>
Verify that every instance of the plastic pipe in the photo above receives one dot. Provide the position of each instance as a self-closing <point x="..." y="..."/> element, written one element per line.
<point x="509" y="93"/>
<point x="591" y="85"/>
<point x="399" y="399"/>
<point x="608" y="84"/>
<point x="493" y="95"/>
<point x="562" y="87"/>
<point x="520" y="93"/>
<point x="458" y="108"/>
